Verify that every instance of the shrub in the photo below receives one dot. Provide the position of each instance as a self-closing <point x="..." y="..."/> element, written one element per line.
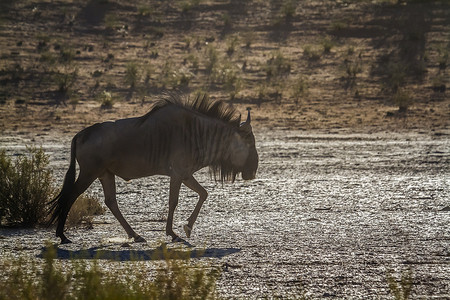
<point x="66" y="55"/>
<point x="232" y="42"/>
<point x="226" y="18"/>
<point x="277" y="65"/>
<point x="83" y="210"/>
<point x="174" y="78"/>
<point x="299" y="88"/>
<point x="327" y="44"/>
<point x="438" y="84"/>
<point x="111" y="22"/>
<point x="106" y="100"/>
<point x="403" y="100"/>
<point x="338" y="25"/>
<point x="25" y="188"/>
<point x="188" y="5"/>
<point x="43" y="42"/>
<point x="147" y="71"/>
<point x="443" y="57"/>
<point x="194" y="61"/>
<point x="47" y="59"/>
<point x="144" y="10"/>
<point x="396" y="73"/>
<point x="232" y="81"/>
<point x="132" y="74"/>
<point x="311" y="52"/>
<point x="352" y="69"/>
<point x="180" y="78"/>
<point x="65" y="82"/>
<point x="287" y="9"/>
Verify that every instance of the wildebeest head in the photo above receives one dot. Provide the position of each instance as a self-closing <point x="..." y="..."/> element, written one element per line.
<point x="244" y="155"/>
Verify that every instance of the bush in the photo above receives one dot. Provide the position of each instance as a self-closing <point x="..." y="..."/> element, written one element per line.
<point x="106" y="100"/>
<point x="132" y="74"/>
<point x="396" y="74"/>
<point x="403" y="100"/>
<point x="287" y="9"/>
<point x="65" y="82"/>
<point x="228" y="74"/>
<point x="277" y="65"/>
<point x="232" y="43"/>
<point x="25" y="188"/>
<point x="327" y="45"/>
<point x="299" y="88"/>
<point x="311" y="52"/>
<point x="176" y="279"/>
<point x="66" y="55"/>
<point x="83" y="210"/>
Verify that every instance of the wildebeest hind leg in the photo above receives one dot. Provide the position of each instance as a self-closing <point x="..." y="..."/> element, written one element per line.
<point x="80" y="185"/>
<point x="109" y="189"/>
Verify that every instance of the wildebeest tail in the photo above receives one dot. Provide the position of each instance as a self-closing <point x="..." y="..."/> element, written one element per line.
<point x="59" y="204"/>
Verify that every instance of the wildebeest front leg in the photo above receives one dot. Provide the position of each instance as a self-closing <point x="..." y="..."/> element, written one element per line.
<point x="175" y="185"/>
<point x="109" y="188"/>
<point x="203" y="194"/>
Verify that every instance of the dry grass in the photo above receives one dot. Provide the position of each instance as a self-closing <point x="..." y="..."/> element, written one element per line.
<point x="176" y="279"/>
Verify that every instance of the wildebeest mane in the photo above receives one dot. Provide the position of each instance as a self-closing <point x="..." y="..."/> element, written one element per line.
<point x="207" y="145"/>
<point x="201" y="104"/>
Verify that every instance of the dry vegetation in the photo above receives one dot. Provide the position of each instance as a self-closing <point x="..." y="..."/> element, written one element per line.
<point x="26" y="189"/>
<point x="329" y="65"/>
<point x="177" y="278"/>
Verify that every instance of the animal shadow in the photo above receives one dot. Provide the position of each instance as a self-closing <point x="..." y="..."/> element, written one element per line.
<point x="161" y="252"/>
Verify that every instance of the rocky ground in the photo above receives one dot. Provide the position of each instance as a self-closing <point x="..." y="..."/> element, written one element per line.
<point x="329" y="216"/>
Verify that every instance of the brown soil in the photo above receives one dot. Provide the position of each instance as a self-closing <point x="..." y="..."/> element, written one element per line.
<point x="346" y="59"/>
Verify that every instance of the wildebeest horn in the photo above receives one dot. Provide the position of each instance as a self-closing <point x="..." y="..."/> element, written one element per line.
<point x="248" y="115"/>
<point x="248" y="118"/>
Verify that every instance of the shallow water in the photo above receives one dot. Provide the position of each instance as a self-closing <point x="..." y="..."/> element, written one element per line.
<point x="329" y="216"/>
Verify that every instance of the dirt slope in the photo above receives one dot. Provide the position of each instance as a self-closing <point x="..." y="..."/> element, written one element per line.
<point x="329" y="65"/>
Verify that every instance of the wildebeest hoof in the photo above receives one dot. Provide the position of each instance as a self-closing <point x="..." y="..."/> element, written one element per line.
<point x="65" y="241"/>
<point x="176" y="239"/>
<point x="139" y="239"/>
<point x="187" y="230"/>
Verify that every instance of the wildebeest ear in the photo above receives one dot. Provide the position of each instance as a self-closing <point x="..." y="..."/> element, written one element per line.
<point x="245" y="126"/>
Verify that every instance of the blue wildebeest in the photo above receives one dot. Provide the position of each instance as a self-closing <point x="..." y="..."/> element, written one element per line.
<point x="176" y="138"/>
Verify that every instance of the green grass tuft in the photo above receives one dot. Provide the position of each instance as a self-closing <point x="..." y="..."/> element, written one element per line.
<point x="401" y="290"/>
